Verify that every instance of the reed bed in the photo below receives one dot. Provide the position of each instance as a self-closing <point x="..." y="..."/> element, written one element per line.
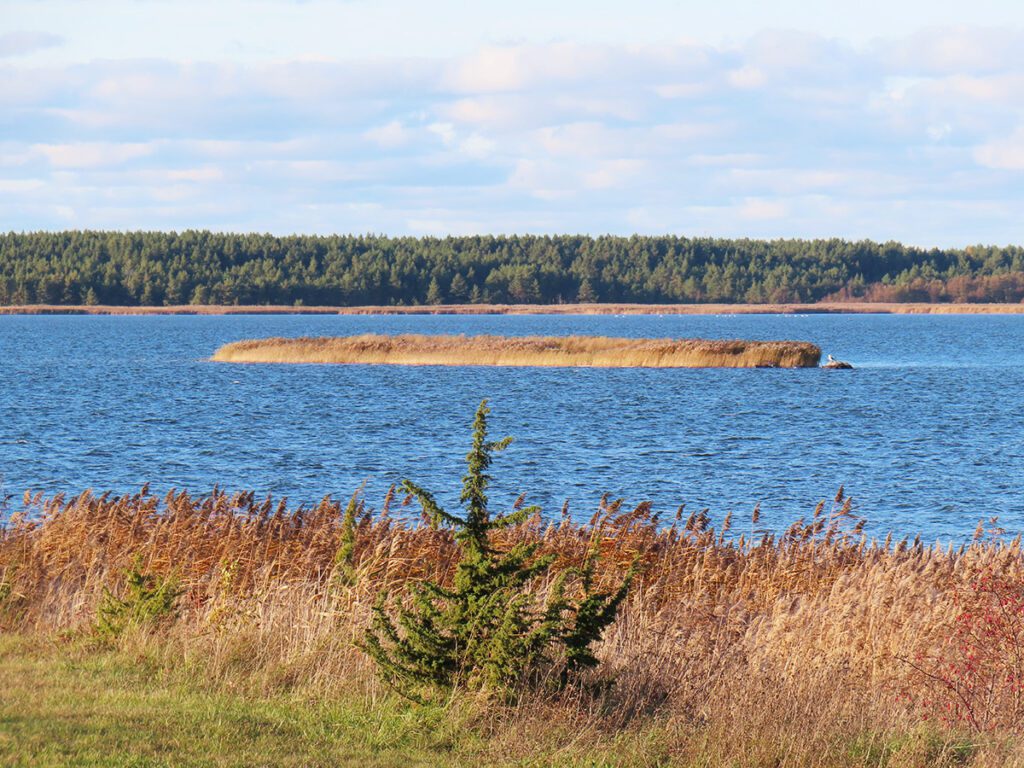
<point x="547" y="351"/>
<point x="773" y="648"/>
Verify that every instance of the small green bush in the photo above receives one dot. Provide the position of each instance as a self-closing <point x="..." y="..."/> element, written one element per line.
<point x="488" y="630"/>
<point x="6" y="591"/>
<point x="147" y="599"/>
<point x="344" y="557"/>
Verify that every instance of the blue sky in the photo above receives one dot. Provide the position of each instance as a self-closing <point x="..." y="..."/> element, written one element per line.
<point x="885" y="120"/>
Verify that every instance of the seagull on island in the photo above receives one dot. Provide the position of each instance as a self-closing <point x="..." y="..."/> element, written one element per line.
<point x="832" y="359"/>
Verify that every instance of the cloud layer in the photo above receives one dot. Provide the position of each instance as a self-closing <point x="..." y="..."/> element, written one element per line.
<point x="783" y="135"/>
<point x="24" y="42"/>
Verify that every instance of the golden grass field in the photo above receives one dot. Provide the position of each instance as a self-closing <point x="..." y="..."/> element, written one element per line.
<point x="597" y="351"/>
<point x="824" y="307"/>
<point x="815" y="647"/>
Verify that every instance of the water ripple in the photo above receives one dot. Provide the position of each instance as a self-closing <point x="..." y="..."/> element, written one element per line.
<point x="925" y="434"/>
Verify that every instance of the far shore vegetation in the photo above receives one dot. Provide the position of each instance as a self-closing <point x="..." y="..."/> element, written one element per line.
<point x="200" y="268"/>
<point x="830" y="307"/>
<point x="230" y="630"/>
<point x="547" y="351"/>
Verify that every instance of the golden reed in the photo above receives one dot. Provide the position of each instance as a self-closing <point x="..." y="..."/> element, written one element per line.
<point x="773" y="649"/>
<point x="547" y="351"/>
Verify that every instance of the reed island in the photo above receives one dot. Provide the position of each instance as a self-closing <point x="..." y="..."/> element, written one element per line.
<point x="545" y="351"/>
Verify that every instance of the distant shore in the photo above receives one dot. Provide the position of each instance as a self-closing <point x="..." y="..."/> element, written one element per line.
<point x="849" y="307"/>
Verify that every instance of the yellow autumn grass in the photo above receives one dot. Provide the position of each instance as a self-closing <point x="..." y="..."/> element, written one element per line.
<point x="546" y="351"/>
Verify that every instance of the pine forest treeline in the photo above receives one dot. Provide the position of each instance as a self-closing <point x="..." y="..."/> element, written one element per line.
<point x="199" y="267"/>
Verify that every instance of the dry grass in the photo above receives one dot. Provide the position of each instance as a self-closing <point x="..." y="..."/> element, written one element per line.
<point x="599" y="351"/>
<point x="822" y="307"/>
<point x="760" y="650"/>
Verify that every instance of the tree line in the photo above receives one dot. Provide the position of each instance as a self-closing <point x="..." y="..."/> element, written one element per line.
<point x="201" y="267"/>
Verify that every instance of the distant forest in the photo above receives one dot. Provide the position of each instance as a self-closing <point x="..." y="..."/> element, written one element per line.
<point x="193" y="267"/>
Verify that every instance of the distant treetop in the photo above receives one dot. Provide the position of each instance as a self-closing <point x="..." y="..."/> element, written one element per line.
<point x="199" y="267"/>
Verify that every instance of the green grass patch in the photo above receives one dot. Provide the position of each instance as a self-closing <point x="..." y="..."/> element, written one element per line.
<point x="81" y="703"/>
<point x="75" y="706"/>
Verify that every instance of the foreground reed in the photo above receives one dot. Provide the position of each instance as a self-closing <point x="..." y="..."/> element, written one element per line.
<point x="757" y="649"/>
<point x="599" y="351"/>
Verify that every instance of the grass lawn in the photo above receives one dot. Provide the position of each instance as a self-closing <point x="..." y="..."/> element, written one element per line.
<point x="76" y="707"/>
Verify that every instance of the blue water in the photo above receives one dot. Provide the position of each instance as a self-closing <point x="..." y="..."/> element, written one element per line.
<point x="926" y="435"/>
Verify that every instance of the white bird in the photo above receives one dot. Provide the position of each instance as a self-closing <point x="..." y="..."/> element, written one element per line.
<point x="832" y="359"/>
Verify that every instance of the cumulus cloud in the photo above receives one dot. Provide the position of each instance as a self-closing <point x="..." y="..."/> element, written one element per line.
<point x="391" y="134"/>
<point x="1006" y="153"/>
<point x="91" y="154"/>
<point x="959" y="50"/>
<point x="756" y="208"/>
<point x="782" y="134"/>
<point x="25" y="42"/>
<point x="518" y="68"/>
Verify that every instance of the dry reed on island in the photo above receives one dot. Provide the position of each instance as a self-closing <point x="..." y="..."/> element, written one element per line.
<point x="548" y="351"/>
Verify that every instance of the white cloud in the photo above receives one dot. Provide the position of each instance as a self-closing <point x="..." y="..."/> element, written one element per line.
<point x="778" y="134"/>
<point x="585" y="139"/>
<point x="445" y="131"/>
<point x="959" y="50"/>
<point x="747" y="77"/>
<point x="198" y="175"/>
<point x="20" y="186"/>
<point x="681" y="90"/>
<point x="390" y="135"/>
<point x="542" y="180"/>
<point x="477" y="146"/>
<point x="92" y="154"/>
<point x="613" y="173"/>
<point x="25" y="42"/>
<point x="515" y="68"/>
<point x="1004" y="153"/>
<point x="690" y="131"/>
<point x="755" y="208"/>
<point x="491" y="111"/>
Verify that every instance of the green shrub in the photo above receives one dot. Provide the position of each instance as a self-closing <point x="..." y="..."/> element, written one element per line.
<point x="146" y="600"/>
<point x="344" y="557"/>
<point x="6" y="592"/>
<point x="489" y="630"/>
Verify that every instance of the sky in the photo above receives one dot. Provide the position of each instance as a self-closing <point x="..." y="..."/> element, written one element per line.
<point x="897" y="120"/>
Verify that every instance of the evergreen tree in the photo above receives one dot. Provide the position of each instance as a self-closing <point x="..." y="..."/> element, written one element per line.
<point x="459" y="289"/>
<point x="586" y="294"/>
<point x="487" y="630"/>
<point x="132" y="268"/>
<point x="434" y="295"/>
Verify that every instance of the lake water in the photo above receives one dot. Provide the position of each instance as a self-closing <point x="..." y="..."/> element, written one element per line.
<point x="927" y="435"/>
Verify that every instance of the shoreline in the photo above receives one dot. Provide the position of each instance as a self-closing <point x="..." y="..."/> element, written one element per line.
<point x="535" y="309"/>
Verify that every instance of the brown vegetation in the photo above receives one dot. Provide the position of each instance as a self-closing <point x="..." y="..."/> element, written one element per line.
<point x="1007" y="288"/>
<point x="788" y="650"/>
<point x="600" y="351"/>
<point x="844" y="304"/>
